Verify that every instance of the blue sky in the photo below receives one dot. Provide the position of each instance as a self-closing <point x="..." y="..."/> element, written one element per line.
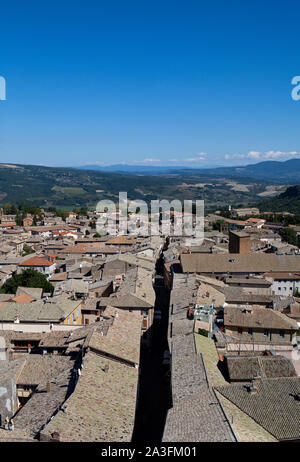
<point x="156" y="83"/>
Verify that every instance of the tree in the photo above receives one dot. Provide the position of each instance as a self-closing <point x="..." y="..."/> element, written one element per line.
<point x="217" y="224"/>
<point x="19" y="221"/>
<point x="27" y="250"/>
<point x="62" y="213"/>
<point x="9" y="209"/>
<point x="289" y="235"/>
<point x="83" y="211"/>
<point x="97" y="235"/>
<point x="28" y="278"/>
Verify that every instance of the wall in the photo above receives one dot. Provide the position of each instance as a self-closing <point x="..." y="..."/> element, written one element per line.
<point x="104" y="291"/>
<point x="34" y="327"/>
<point x="8" y="399"/>
<point x="2" y="349"/>
<point x="77" y="317"/>
<point x="258" y="335"/>
<point x="91" y="317"/>
<point x="235" y="348"/>
<point x="114" y="268"/>
<point x="238" y="244"/>
<point x="47" y="270"/>
<point x="284" y="287"/>
<point x="252" y="289"/>
<point x="201" y="325"/>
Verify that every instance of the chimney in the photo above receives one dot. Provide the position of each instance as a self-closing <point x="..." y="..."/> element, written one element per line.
<point x="48" y="387"/>
<point x="254" y="387"/>
<point x="106" y="368"/>
<point x="56" y="436"/>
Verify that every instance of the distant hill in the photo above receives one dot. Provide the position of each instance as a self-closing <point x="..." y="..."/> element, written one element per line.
<point x="134" y="169"/>
<point x="70" y="187"/>
<point x="284" y="172"/>
<point x="288" y="201"/>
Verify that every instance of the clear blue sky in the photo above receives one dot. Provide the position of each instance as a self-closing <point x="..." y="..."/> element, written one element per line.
<point x="156" y="82"/>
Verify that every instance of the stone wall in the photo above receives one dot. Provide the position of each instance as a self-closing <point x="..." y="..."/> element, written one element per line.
<point x="8" y="399"/>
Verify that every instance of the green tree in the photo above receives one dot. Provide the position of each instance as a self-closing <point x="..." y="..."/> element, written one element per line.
<point x="19" y="221"/>
<point x="9" y="209"/>
<point x="83" y="211"/>
<point x="27" y="250"/>
<point x="289" y="235"/>
<point x="217" y="224"/>
<point x="62" y="213"/>
<point x="28" y="278"/>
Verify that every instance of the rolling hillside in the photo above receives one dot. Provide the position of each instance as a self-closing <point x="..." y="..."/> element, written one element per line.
<point x="288" y="201"/>
<point x="284" y="172"/>
<point x="66" y="187"/>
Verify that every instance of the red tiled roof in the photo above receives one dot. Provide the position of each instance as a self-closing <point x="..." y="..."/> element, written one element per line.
<point x="37" y="261"/>
<point x="8" y="225"/>
<point x="255" y="220"/>
<point x="51" y="255"/>
<point x="23" y="298"/>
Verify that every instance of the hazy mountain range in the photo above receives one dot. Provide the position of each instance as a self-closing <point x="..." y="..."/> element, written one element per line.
<point x="70" y="187"/>
<point x="285" y="172"/>
<point x="219" y="187"/>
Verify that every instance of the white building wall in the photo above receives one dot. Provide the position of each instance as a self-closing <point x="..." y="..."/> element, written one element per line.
<point x="285" y="287"/>
<point x="37" y="328"/>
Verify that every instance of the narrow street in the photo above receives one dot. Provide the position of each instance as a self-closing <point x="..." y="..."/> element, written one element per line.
<point x="154" y="393"/>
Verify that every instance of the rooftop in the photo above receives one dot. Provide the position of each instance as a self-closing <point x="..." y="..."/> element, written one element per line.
<point x="238" y="263"/>
<point x="37" y="261"/>
<point x="102" y="406"/>
<point x="263" y="318"/>
<point x="247" y="368"/>
<point x="275" y="406"/>
<point x="123" y="337"/>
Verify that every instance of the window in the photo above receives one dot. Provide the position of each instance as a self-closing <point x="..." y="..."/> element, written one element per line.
<point x="78" y="312"/>
<point x="250" y="331"/>
<point x="281" y="333"/>
<point x="240" y="330"/>
<point x="266" y="332"/>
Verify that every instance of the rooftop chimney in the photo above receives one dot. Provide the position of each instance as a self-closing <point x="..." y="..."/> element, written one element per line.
<point x="254" y="387"/>
<point x="106" y="368"/>
<point x="56" y="436"/>
<point x="48" y="387"/>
